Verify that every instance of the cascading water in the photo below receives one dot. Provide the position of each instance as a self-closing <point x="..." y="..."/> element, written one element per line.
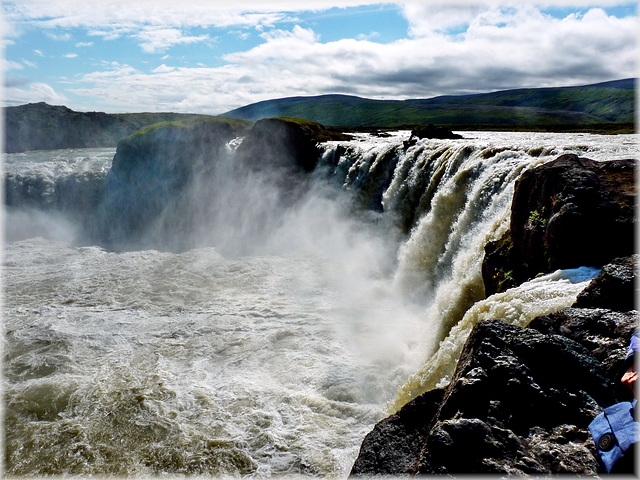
<point x="274" y="343"/>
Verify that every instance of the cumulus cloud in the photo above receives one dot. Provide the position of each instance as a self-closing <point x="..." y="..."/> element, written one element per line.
<point x="158" y="39"/>
<point x="163" y="69"/>
<point x="426" y="18"/>
<point x="6" y="65"/>
<point x="17" y="93"/>
<point x="449" y="49"/>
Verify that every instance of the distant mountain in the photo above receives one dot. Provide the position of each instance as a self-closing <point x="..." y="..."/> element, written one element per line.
<point x="39" y="126"/>
<point x="609" y="102"/>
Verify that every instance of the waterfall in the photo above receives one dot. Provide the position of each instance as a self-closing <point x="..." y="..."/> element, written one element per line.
<point x="452" y="197"/>
<point x="439" y="201"/>
<point x="253" y="323"/>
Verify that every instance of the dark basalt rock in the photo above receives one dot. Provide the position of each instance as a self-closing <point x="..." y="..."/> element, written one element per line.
<point x="613" y="288"/>
<point x="519" y="403"/>
<point x="605" y="333"/>
<point x="394" y="445"/>
<point x="292" y="145"/>
<point x="521" y="399"/>
<point x="566" y="213"/>
<point x="151" y="169"/>
<point x="161" y="176"/>
<point x="433" y="131"/>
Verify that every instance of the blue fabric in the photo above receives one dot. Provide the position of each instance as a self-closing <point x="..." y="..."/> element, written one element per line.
<point x="614" y="432"/>
<point x="633" y="346"/>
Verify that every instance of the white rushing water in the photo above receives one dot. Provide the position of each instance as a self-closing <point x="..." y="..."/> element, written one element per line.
<point x="270" y="363"/>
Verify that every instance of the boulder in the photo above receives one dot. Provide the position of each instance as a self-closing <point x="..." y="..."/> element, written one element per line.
<point x="614" y="288"/>
<point x="433" y="131"/>
<point x="519" y="403"/>
<point x="566" y="213"/>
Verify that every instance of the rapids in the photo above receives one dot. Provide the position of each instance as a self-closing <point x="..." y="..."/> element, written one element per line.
<point x="278" y="356"/>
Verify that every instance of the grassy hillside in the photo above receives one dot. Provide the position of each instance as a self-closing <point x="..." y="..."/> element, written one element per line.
<point x="610" y="102"/>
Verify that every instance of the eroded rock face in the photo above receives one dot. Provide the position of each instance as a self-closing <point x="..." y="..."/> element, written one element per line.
<point x="152" y="168"/>
<point x="566" y="213"/>
<point x="394" y="445"/>
<point x="605" y="333"/>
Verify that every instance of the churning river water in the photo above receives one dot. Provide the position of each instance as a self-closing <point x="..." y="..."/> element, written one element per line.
<point x="274" y="362"/>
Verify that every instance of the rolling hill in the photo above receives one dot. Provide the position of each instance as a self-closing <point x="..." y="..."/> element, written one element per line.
<point x="603" y="103"/>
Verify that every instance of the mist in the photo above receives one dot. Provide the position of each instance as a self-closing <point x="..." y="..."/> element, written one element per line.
<point x="25" y="223"/>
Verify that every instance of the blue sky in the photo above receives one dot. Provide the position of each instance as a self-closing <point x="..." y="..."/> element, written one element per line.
<point x="211" y="56"/>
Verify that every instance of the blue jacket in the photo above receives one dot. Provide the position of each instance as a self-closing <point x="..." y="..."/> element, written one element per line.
<point x="615" y="431"/>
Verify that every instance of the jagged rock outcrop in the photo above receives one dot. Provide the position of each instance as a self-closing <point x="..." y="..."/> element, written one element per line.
<point x="566" y="213"/>
<point x="613" y="288"/>
<point x="519" y="403"/>
<point x="162" y="177"/>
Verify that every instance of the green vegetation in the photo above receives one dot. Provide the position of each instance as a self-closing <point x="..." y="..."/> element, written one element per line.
<point x="315" y="131"/>
<point x="608" y="107"/>
<point x="602" y="108"/>
<point x="190" y="122"/>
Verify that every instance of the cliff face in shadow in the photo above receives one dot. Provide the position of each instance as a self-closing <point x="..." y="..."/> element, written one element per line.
<point x="172" y="183"/>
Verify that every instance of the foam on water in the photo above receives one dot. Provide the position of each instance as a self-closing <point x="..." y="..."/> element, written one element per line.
<point x="150" y="362"/>
<point x="276" y="356"/>
<point x="518" y="306"/>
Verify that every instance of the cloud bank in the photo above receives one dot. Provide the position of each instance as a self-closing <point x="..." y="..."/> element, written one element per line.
<point x="465" y="48"/>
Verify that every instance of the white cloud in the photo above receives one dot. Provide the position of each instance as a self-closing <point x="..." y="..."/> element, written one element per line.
<point x="428" y="18"/>
<point x="39" y="53"/>
<point x="59" y="37"/>
<point x="127" y="14"/>
<point x="111" y="33"/>
<point x="84" y="44"/>
<point x="158" y="39"/>
<point x="163" y="69"/>
<point x="494" y="48"/>
<point x="8" y="65"/>
<point x="71" y="55"/>
<point x="34" y="92"/>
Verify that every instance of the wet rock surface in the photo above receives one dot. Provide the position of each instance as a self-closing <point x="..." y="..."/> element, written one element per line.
<point x="433" y="131"/>
<point x="520" y="402"/>
<point x="521" y="399"/>
<point x="566" y="213"/>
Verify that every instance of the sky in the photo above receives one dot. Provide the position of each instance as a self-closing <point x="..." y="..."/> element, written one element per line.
<point x="209" y="57"/>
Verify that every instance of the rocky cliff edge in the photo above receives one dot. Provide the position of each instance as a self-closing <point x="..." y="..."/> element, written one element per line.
<point x="521" y="399"/>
